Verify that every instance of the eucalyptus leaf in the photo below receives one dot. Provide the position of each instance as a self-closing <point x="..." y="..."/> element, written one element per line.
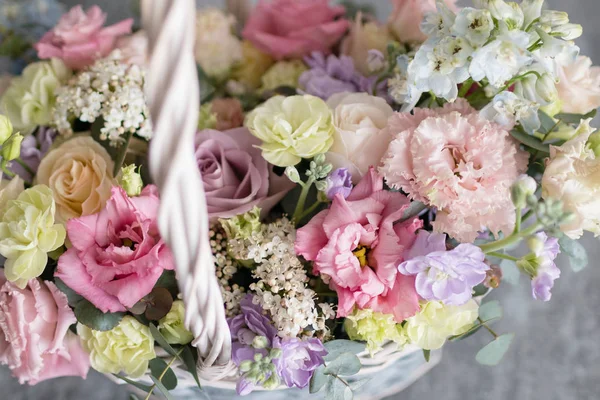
<point x="530" y="141"/>
<point x="72" y="297"/>
<point x="427" y="355"/>
<point x="190" y="363"/>
<point x="87" y="314"/>
<point x="480" y="290"/>
<point x="472" y="330"/>
<point x="359" y="383"/>
<point x="335" y="390"/>
<point x="575" y="118"/>
<point x="337" y="347"/>
<point x="141" y="386"/>
<point x="117" y="153"/>
<point x="578" y="258"/>
<point x="510" y="272"/>
<point x="547" y="122"/>
<point x="346" y="364"/>
<point x="168" y="281"/>
<point x="160" y="339"/>
<point x="490" y="311"/>
<point x="494" y="351"/>
<point x="318" y="380"/>
<point x="162" y="388"/>
<point x="207" y="89"/>
<point x="159" y="367"/>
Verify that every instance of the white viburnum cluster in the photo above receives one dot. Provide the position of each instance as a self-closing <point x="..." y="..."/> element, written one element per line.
<point x="497" y="44"/>
<point x="282" y="283"/>
<point x="111" y="90"/>
<point x="225" y="268"/>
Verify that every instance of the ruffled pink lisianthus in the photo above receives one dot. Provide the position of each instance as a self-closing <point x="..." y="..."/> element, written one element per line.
<point x="453" y="159"/>
<point x="117" y="255"/>
<point x="293" y="29"/>
<point x="35" y="341"/>
<point x="79" y="38"/>
<point x="356" y="243"/>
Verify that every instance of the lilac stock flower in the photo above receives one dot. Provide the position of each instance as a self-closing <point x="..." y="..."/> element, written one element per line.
<point x="33" y="149"/>
<point x="329" y="75"/>
<point x="299" y="358"/>
<point x="338" y="181"/>
<point x="545" y="250"/>
<point x="446" y="276"/>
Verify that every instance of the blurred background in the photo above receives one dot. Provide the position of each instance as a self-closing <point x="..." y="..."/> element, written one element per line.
<point x="556" y="352"/>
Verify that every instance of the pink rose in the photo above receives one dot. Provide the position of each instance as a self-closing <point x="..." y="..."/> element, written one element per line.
<point x="117" y="255"/>
<point x="35" y="341"/>
<point x="356" y="243"/>
<point x="236" y="177"/>
<point x="293" y="29"/>
<point x="79" y="38"/>
<point x="405" y="21"/>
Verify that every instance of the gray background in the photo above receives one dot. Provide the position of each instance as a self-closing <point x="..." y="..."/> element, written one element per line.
<point x="556" y="353"/>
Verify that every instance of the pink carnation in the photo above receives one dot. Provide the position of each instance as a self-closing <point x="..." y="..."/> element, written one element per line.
<point x="35" y="341"/>
<point x="79" y="38"/>
<point x="117" y="255"/>
<point x="453" y="159"/>
<point x="293" y="29"/>
<point x="356" y="243"/>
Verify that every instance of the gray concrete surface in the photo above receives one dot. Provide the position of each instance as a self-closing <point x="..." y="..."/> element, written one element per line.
<point x="556" y="353"/>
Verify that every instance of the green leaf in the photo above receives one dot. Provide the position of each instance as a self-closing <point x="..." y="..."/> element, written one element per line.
<point x="168" y="281"/>
<point x="493" y="352"/>
<point x="160" y="339"/>
<point x="547" y="122"/>
<point x="427" y="354"/>
<point x="578" y="258"/>
<point x="490" y="311"/>
<point x="359" y="383"/>
<point x="117" y="153"/>
<point x="162" y="388"/>
<point x="318" y="380"/>
<point x="87" y="314"/>
<point x="530" y="141"/>
<point x="187" y="356"/>
<point x="336" y="390"/>
<point x="157" y="368"/>
<point x="72" y="297"/>
<point x="575" y="118"/>
<point x="472" y="330"/>
<point x="346" y="364"/>
<point x="414" y="209"/>
<point x="480" y="290"/>
<point x="337" y="347"/>
<point x="141" y="386"/>
<point x="510" y="272"/>
<point x="207" y="89"/>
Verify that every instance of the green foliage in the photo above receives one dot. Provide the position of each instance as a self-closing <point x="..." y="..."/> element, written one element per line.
<point x="490" y="311"/>
<point x="72" y="297"/>
<point x="158" y="303"/>
<point x="207" y="89"/>
<point x="494" y="351"/>
<point x="160" y="339"/>
<point x="88" y="315"/>
<point x="427" y="355"/>
<point x="578" y="258"/>
<point x="158" y="368"/>
<point x="575" y="118"/>
<point x="187" y="356"/>
<point x="117" y="153"/>
<point x="141" y="386"/>
<point x="529" y="141"/>
<point x="335" y="348"/>
<point x="161" y="388"/>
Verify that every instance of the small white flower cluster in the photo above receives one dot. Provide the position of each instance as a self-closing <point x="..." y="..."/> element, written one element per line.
<point x="111" y="90"/>
<point x="225" y="267"/>
<point x="497" y="44"/>
<point x="282" y="287"/>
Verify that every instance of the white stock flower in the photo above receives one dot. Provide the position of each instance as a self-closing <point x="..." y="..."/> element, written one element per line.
<point x="506" y="109"/>
<point x="475" y="25"/>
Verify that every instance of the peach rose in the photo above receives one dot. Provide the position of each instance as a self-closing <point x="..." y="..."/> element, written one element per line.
<point x="80" y="174"/>
<point x="579" y="86"/>
<point x="405" y="21"/>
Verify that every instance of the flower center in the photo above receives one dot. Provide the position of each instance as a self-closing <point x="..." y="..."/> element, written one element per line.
<point x="361" y="253"/>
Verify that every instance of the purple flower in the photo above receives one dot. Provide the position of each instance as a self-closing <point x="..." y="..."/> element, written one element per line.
<point x="330" y="75"/>
<point x="338" y="181"/>
<point x="299" y="358"/>
<point x="33" y="149"/>
<point x="545" y="250"/>
<point x="245" y="327"/>
<point x="446" y="276"/>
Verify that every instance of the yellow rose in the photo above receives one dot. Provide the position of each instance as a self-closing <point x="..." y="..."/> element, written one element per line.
<point x="253" y="66"/>
<point x="283" y="73"/>
<point x="362" y="38"/>
<point x="436" y="321"/>
<point x="80" y="174"/>
<point x="28" y="233"/>
<point x="128" y="347"/>
<point x="171" y="325"/>
<point x="374" y="328"/>
<point x="30" y="98"/>
<point x="292" y="128"/>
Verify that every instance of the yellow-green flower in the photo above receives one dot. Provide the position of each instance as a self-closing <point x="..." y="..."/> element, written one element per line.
<point x="242" y="226"/>
<point x="374" y="328"/>
<point x="253" y="66"/>
<point x="292" y="128"/>
<point x="28" y="233"/>
<point x="171" y="326"/>
<point x="30" y="98"/>
<point x="128" y="347"/>
<point x="131" y="181"/>
<point x="283" y="73"/>
<point x="6" y="128"/>
<point x="207" y="118"/>
<point x="436" y="321"/>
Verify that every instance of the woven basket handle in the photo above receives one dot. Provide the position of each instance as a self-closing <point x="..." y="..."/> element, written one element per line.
<point x="173" y="95"/>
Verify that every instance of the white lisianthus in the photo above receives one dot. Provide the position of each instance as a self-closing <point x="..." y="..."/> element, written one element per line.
<point x="572" y="175"/>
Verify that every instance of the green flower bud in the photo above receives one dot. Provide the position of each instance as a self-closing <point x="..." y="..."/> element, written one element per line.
<point x="320" y="159"/>
<point x="545" y="87"/>
<point x="6" y="129"/>
<point x="523" y="187"/>
<point x="272" y="382"/>
<point x="172" y="326"/>
<point x="131" y="181"/>
<point x="242" y="226"/>
<point x="245" y="365"/>
<point x="11" y="149"/>
<point x="292" y="174"/>
<point x="258" y="357"/>
<point x="275" y="353"/>
<point x="260" y="342"/>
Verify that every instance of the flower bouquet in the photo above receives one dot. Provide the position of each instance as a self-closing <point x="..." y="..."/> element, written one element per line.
<point x="362" y="186"/>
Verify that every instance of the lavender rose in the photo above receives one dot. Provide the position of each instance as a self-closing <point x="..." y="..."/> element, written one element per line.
<point x="299" y="358"/>
<point x="236" y="177"/>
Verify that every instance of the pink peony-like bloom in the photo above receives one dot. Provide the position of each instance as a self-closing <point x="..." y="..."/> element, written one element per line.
<point x="405" y="21"/>
<point x="79" y="38"/>
<point x="453" y="159"/>
<point x="293" y="29"/>
<point x="35" y="341"/>
<point x="235" y="175"/>
<point x="117" y="255"/>
<point x="356" y="243"/>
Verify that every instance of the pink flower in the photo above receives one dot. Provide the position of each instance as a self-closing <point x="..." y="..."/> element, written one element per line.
<point x="293" y="29"/>
<point x="453" y="159"/>
<point x="35" y="340"/>
<point x="235" y="175"/>
<point x="79" y="38"/>
<point x="356" y="243"/>
<point x="117" y="255"/>
<point x="405" y="21"/>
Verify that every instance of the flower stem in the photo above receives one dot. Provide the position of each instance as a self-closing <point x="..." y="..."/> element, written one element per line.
<point x="25" y="166"/>
<point x="162" y="375"/>
<point x="509" y="240"/>
<point x="7" y="172"/>
<point x="502" y="255"/>
<point x="310" y="210"/>
<point x="299" y="211"/>
<point x="519" y="214"/>
<point x="464" y="89"/>
<point x="490" y="330"/>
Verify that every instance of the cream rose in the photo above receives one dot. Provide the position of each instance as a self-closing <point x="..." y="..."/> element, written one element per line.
<point x="362" y="38"/>
<point x="572" y="175"/>
<point x="579" y="86"/>
<point x="359" y="140"/>
<point x="80" y="174"/>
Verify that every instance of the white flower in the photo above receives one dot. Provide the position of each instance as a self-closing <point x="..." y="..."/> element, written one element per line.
<point x="475" y="25"/>
<point x="439" y="24"/>
<point x="532" y="10"/>
<point x="506" y="109"/>
<point x="579" y="86"/>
